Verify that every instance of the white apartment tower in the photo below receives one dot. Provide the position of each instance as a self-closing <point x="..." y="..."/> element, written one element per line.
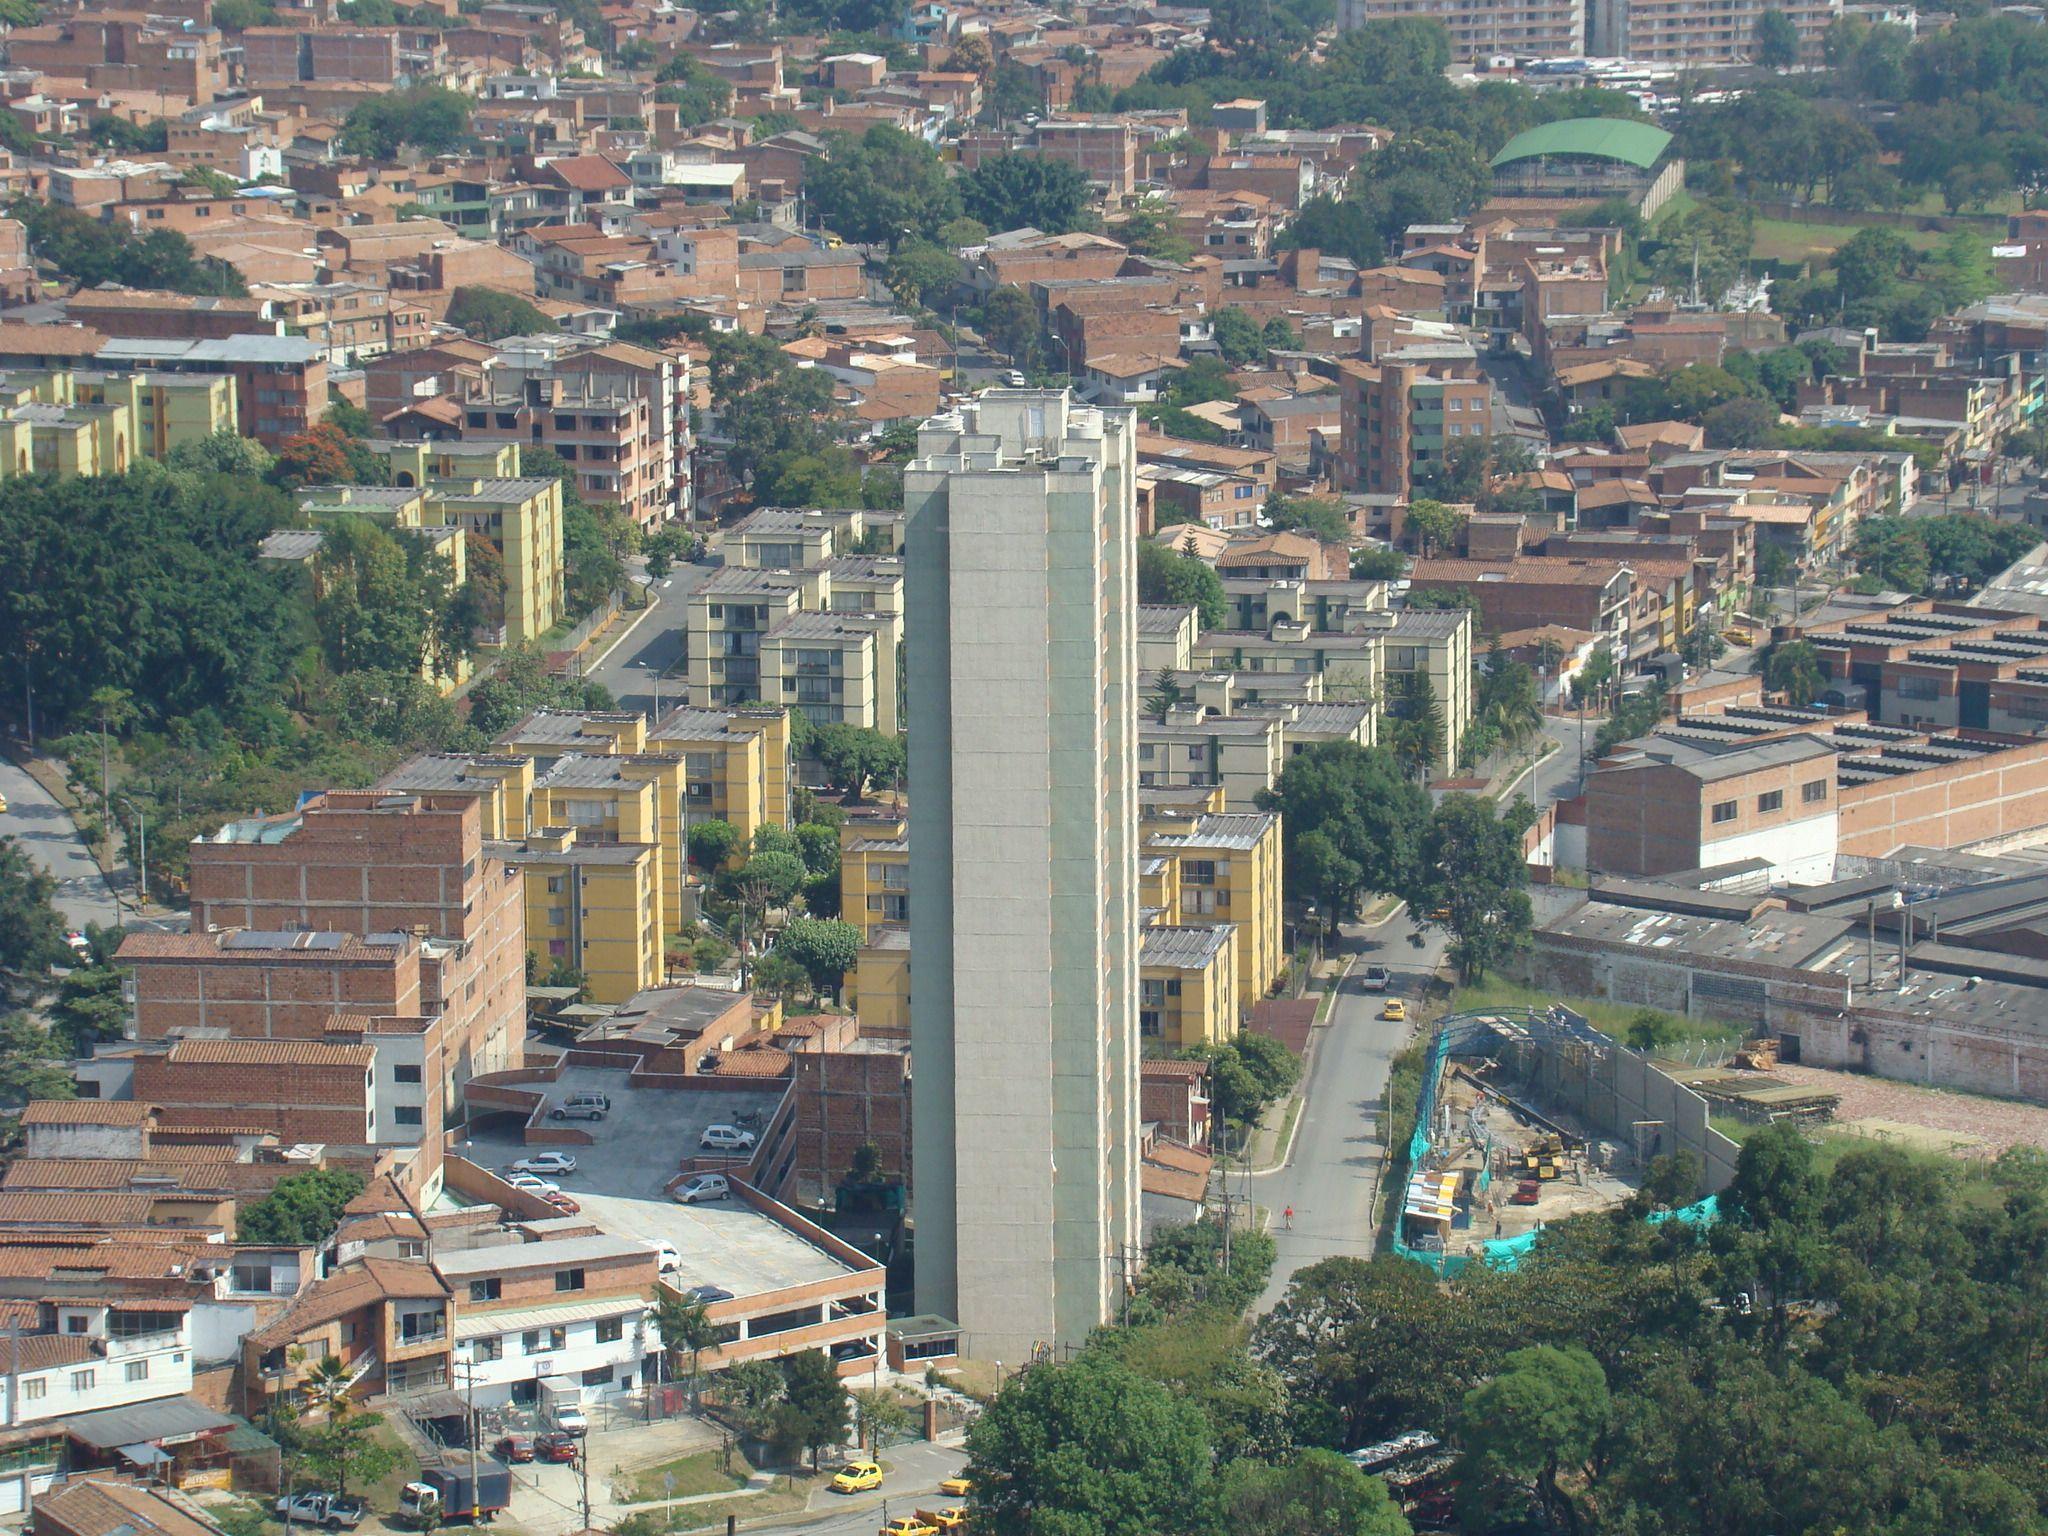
<point x="1021" y="603"/>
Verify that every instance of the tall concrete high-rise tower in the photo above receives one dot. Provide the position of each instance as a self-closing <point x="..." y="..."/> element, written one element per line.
<point x="1021" y="601"/>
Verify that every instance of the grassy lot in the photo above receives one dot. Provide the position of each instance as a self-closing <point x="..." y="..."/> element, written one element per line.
<point x="686" y="1477"/>
<point x="1615" y="1018"/>
<point x="1969" y="1177"/>
<point x="1790" y="240"/>
<point x="788" y="1496"/>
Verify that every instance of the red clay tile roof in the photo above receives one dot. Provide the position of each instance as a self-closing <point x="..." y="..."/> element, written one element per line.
<point x="270" y="1053"/>
<point x="86" y="1112"/>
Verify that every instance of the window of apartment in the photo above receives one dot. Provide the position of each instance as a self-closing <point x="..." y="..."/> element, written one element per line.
<point x="485" y="1290"/>
<point x="1771" y="800"/>
<point x="539" y="1341"/>
<point x="482" y="1350"/>
<point x="610" y="1329"/>
<point x="557" y="916"/>
<point x="554" y="885"/>
<point x="568" y="1279"/>
<point x="74" y="1323"/>
<point x="558" y="947"/>
<point x="136" y="1370"/>
<point x="1198" y="872"/>
<point x="82" y="1381"/>
<point x="34" y="1388"/>
<point x="1919" y="688"/>
<point x="404" y="1073"/>
<point x="1814" y="793"/>
<point x="1725" y="811"/>
<point x="405" y="1114"/>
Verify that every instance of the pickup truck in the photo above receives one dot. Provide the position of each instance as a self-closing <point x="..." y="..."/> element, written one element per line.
<point x="1376" y="978"/>
<point x="330" y="1511"/>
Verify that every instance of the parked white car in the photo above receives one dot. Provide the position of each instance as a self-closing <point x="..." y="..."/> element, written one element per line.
<point x="545" y="1162"/>
<point x="705" y="1186"/>
<point x="532" y="1185"/>
<point x="726" y="1138"/>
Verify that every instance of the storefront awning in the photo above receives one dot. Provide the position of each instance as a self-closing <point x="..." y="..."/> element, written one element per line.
<point x="162" y="1421"/>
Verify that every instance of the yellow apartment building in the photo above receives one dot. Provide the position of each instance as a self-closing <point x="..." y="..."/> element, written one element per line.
<point x="479" y="488"/>
<point x="68" y="422"/>
<point x="502" y="786"/>
<point x="167" y="410"/>
<point x="874" y="870"/>
<point x="1228" y="872"/>
<point x="1187" y="987"/>
<point x="738" y="764"/>
<point x="826" y="640"/>
<point x="879" y="990"/>
<point x="801" y="539"/>
<point x="593" y="906"/>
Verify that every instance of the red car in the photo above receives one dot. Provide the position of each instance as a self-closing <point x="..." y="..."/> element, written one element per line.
<point x="562" y="1203"/>
<point x="513" y="1448"/>
<point x="555" y="1447"/>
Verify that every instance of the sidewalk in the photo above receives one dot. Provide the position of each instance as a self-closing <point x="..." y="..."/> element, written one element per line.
<point x="1272" y="1142"/>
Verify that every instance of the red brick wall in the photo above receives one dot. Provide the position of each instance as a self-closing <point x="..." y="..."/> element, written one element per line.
<point x="301" y="1103"/>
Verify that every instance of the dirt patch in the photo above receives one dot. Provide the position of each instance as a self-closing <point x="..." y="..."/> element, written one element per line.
<point x="1982" y="1127"/>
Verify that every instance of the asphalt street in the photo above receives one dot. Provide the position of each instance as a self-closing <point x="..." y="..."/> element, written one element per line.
<point x="914" y="1471"/>
<point x="1335" y="1164"/>
<point x="46" y="835"/>
<point x="650" y="655"/>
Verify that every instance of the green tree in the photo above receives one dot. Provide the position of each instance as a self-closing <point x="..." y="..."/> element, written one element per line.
<point x="1010" y="322"/>
<point x="855" y="757"/>
<point x="1341" y="228"/>
<point x="878" y="1415"/>
<point x="487" y="314"/>
<point x="1151" y="229"/>
<point x="777" y="876"/>
<point x="375" y="602"/>
<point x="921" y="273"/>
<point x="1318" y="1493"/>
<point x="1238" y="335"/>
<point x="1012" y="191"/>
<point x="31" y="931"/>
<point x="1531" y="1425"/>
<point x="1777" y="40"/>
<point x="1320" y="517"/>
<point x="712" y="843"/>
<point x="429" y="117"/>
<point x="816" y="1400"/>
<point x="303" y="1208"/>
<point x="1793" y="668"/>
<point x="1380" y="563"/>
<point x="346" y="1451"/>
<point x="1472" y="866"/>
<point x="826" y="950"/>
<point x="1089" y="1446"/>
<point x="89" y="1010"/>
<point x="881" y="187"/>
<point x="1181" y="581"/>
<point x="1434" y="528"/>
<point x="684" y="1325"/>
<point x="1351" y="821"/>
<point x="29" y="1068"/>
<point x="1416" y="723"/>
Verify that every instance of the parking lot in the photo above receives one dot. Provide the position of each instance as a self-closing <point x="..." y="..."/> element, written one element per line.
<point x="621" y="1181"/>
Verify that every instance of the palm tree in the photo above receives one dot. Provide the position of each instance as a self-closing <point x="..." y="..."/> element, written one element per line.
<point x="326" y="1385"/>
<point x="684" y="1324"/>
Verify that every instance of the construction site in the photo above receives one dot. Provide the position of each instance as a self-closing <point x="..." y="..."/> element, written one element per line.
<point x="1494" y="1159"/>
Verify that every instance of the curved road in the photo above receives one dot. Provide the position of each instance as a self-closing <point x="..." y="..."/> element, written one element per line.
<point x="44" y="830"/>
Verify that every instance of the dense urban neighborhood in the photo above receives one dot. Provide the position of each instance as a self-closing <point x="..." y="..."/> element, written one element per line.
<point x="1426" y="624"/>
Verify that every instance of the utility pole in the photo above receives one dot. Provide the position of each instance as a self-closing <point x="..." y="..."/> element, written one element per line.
<point x="583" y="1467"/>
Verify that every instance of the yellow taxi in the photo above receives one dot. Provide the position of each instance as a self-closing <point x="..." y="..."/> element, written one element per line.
<point x="1440" y="915"/>
<point x="1395" y="1009"/>
<point x="905" y="1525"/>
<point x="942" y="1520"/>
<point x="956" y="1487"/>
<point x="857" y="1477"/>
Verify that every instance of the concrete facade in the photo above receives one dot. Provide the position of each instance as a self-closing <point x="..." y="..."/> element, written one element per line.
<point x="1020" y="526"/>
